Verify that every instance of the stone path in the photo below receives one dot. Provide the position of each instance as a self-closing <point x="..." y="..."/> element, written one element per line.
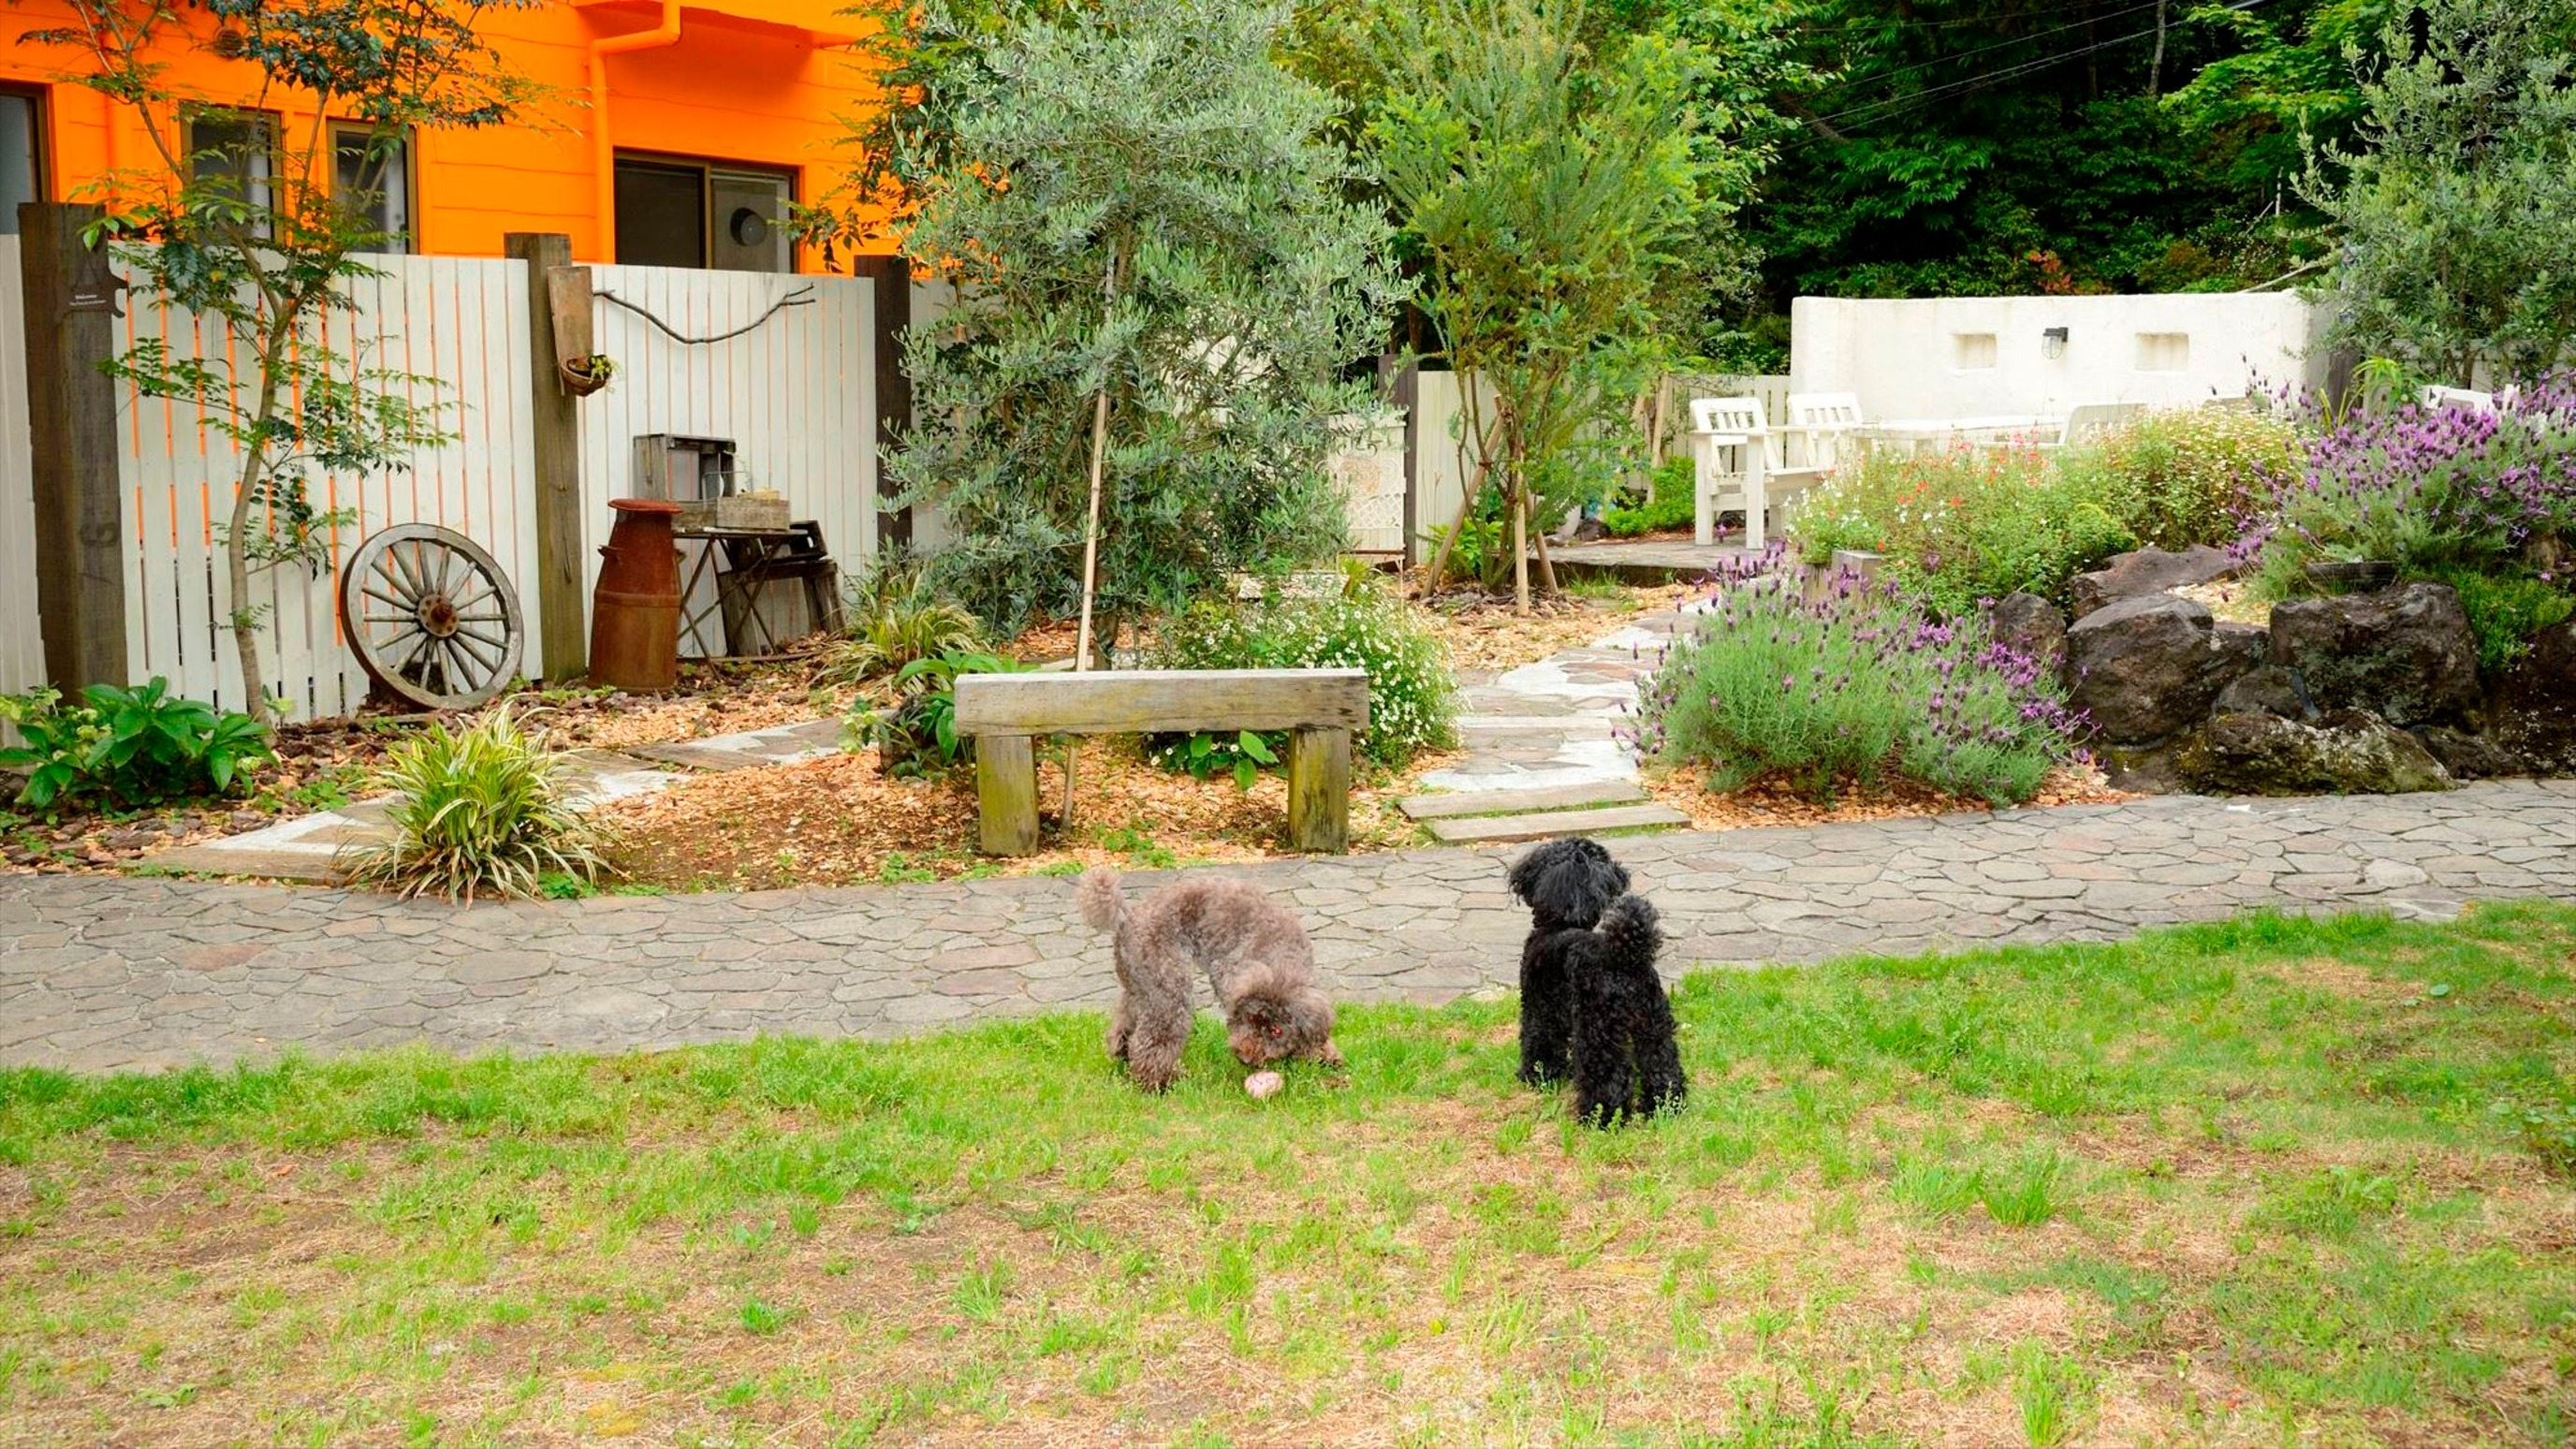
<point x="1542" y="739"/>
<point x="100" y="973"/>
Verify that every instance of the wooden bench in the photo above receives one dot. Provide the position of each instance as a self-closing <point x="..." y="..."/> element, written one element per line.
<point x="1320" y="708"/>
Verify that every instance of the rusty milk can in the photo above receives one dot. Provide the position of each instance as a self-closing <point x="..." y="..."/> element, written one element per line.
<point x="635" y="606"/>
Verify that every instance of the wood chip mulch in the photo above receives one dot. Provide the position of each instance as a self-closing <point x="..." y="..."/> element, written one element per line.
<point x="1777" y="802"/>
<point x="1484" y="635"/>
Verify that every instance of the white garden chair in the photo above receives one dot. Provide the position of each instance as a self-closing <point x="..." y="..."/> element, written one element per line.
<point x="1822" y="425"/>
<point x="2087" y="421"/>
<point x="1732" y="464"/>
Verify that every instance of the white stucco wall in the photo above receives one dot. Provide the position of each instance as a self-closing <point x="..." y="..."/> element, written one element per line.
<point x="1924" y="359"/>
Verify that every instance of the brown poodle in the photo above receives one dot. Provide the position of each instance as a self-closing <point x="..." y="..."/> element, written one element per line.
<point x="1256" y="958"/>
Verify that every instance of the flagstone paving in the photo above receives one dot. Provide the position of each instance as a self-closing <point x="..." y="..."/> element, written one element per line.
<point x="99" y="972"/>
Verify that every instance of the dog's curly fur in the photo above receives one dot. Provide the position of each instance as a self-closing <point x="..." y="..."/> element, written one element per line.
<point x="1256" y="957"/>
<point x="1626" y="1059"/>
<point x="1567" y="883"/>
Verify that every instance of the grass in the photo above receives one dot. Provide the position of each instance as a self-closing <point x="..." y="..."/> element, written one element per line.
<point x="2237" y="1184"/>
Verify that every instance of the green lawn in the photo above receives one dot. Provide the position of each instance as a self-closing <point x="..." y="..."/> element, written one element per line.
<point x="2231" y="1185"/>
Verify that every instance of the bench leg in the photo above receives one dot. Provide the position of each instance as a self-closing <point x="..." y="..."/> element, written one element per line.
<point x="1319" y="790"/>
<point x="1006" y="794"/>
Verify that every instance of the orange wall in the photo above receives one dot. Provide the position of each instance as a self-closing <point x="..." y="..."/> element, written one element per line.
<point x="729" y="90"/>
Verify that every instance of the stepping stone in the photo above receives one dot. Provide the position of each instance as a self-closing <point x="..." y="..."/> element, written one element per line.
<point x="1492" y="829"/>
<point x="1518" y="802"/>
<point x="779" y="745"/>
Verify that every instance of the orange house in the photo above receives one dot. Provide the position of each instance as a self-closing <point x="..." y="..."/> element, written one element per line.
<point x="677" y="132"/>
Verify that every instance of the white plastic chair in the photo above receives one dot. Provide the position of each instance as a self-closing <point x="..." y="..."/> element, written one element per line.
<point x="2087" y="421"/>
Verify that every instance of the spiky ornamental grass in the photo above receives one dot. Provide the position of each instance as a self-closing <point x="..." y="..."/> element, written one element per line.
<point x="481" y="810"/>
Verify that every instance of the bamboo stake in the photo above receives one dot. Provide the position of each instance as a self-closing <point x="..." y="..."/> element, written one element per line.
<point x="1090" y="540"/>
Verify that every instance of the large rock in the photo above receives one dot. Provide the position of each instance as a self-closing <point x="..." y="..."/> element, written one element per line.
<point x="2344" y="753"/>
<point x="2404" y="654"/>
<point x="2147" y="571"/>
<point x="2536" y="702"/>
<point x="2029" y="624"/>
<point x="2146" y="670"/>
<point x="2468" y="756"/>
<point x="2267" y="690"/>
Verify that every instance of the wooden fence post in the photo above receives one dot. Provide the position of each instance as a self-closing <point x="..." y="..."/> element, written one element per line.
<point x="893" y="277"/>
<point x="555" y="420"/>
<point x="71" y="417"/>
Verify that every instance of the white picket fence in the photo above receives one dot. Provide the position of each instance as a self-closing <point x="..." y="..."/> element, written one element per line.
<point x="796" y="393"/>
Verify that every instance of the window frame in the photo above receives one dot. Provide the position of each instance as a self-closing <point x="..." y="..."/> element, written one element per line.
<point x="191" y="115"/>
<point x="406" y="240"/>
<point x="707" y="167"/>
<point x="40" y="148"/>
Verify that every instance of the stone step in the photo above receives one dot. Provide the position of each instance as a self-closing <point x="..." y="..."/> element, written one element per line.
<point x="1492" y="829"/>
<point x="1523" y="724"/>
<point x="1520" y="802"/>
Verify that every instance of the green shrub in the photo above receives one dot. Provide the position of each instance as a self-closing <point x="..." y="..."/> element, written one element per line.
<point x="896" y="618"/>
<point x="1668" y="505"/>
<point x="2505" y="610"/>
<point x="482" y="810"/>
<point x="1410" y="704"/>
<point x="1850" y="686"/>
<point x="917" y="734"/>
<point x="131" y="746"/>
<point x="1963" y="524"/>
<point x="2188" y="476"/>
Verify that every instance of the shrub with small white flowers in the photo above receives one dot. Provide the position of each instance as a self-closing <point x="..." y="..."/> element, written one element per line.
<point x="1848" y="687"/>
<point x="1411" y="704"/>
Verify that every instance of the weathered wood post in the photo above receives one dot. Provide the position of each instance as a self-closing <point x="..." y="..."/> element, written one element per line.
<point x="893" y="301"/>
<point x="71" y="307"/>
<point x="1319" y="789"/>
<point x="554" y="416"/>
<point x="1006" y="794"/>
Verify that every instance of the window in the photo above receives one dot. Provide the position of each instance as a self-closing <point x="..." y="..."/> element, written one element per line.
<point x="681" y="213"/>
<point x="1972" y="351"/>
<point x="372" y="177"/>
<point x="22" y="156"/>
<point x="237" y="151"/>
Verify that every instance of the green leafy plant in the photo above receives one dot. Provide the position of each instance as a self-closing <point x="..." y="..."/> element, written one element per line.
<point x="2188" y="475"/>
<point x="1204" y="755"/>
<point x="131" y="746"/>
<point x="917" y="734"/>
<point x="483" y="810"/>
<point x="1411" y="708"/>
<point x="1669" y="503"/>
<point x="2547" y="1127"/>
<point x="2506" y="610"/>
<point x="1965" y="524"/>
<point x="896" y="619"/>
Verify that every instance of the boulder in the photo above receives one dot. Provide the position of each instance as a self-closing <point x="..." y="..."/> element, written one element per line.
<point x="2145" y="670"/>
<point x="2468" y="756"/>
<point x="2028" y="624"/>
<point x="2536" y="702"/>
<point x="2344" y="753"/>
<point x="2266" y="689"/>
<point x="2147" y="571"/>
<point x="2404" y="654"/>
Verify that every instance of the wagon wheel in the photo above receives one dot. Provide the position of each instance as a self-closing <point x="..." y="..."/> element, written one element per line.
<point x="430" y="617"/>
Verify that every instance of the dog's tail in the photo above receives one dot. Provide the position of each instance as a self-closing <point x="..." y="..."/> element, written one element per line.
<point x="1631" y="928"/>
<point x="1102" y="906"/>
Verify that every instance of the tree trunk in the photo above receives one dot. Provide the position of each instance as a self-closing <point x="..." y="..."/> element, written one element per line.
<point x="1519" y="502"/>
<point x="245" y="620"/>
<point x="2156" y="67"/>
<point x="1091" y="537"/>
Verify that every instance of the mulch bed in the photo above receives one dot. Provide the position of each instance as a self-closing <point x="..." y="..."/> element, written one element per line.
<point x="1777" y="802"/>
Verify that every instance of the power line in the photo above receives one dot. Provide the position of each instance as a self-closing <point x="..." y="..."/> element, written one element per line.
<point x="1900" y="105"/>
<point x="2003" y="44"/>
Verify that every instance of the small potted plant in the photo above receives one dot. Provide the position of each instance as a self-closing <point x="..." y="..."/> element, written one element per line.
<point x="583" y="376"/>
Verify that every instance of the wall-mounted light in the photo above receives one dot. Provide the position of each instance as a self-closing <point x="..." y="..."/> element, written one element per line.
<point x="2052" y="343"/>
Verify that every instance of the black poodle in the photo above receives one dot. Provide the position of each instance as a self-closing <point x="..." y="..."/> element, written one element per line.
<point x="1567" y="884"/>
<point x="1625" y="1057"/>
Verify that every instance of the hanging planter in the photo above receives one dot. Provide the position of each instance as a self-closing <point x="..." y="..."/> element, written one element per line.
<point x="582" y="376"/>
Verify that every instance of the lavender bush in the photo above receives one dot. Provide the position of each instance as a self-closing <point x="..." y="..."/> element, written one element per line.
<point x="2485" y="501"/>
<point x="1850" y="686"/>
